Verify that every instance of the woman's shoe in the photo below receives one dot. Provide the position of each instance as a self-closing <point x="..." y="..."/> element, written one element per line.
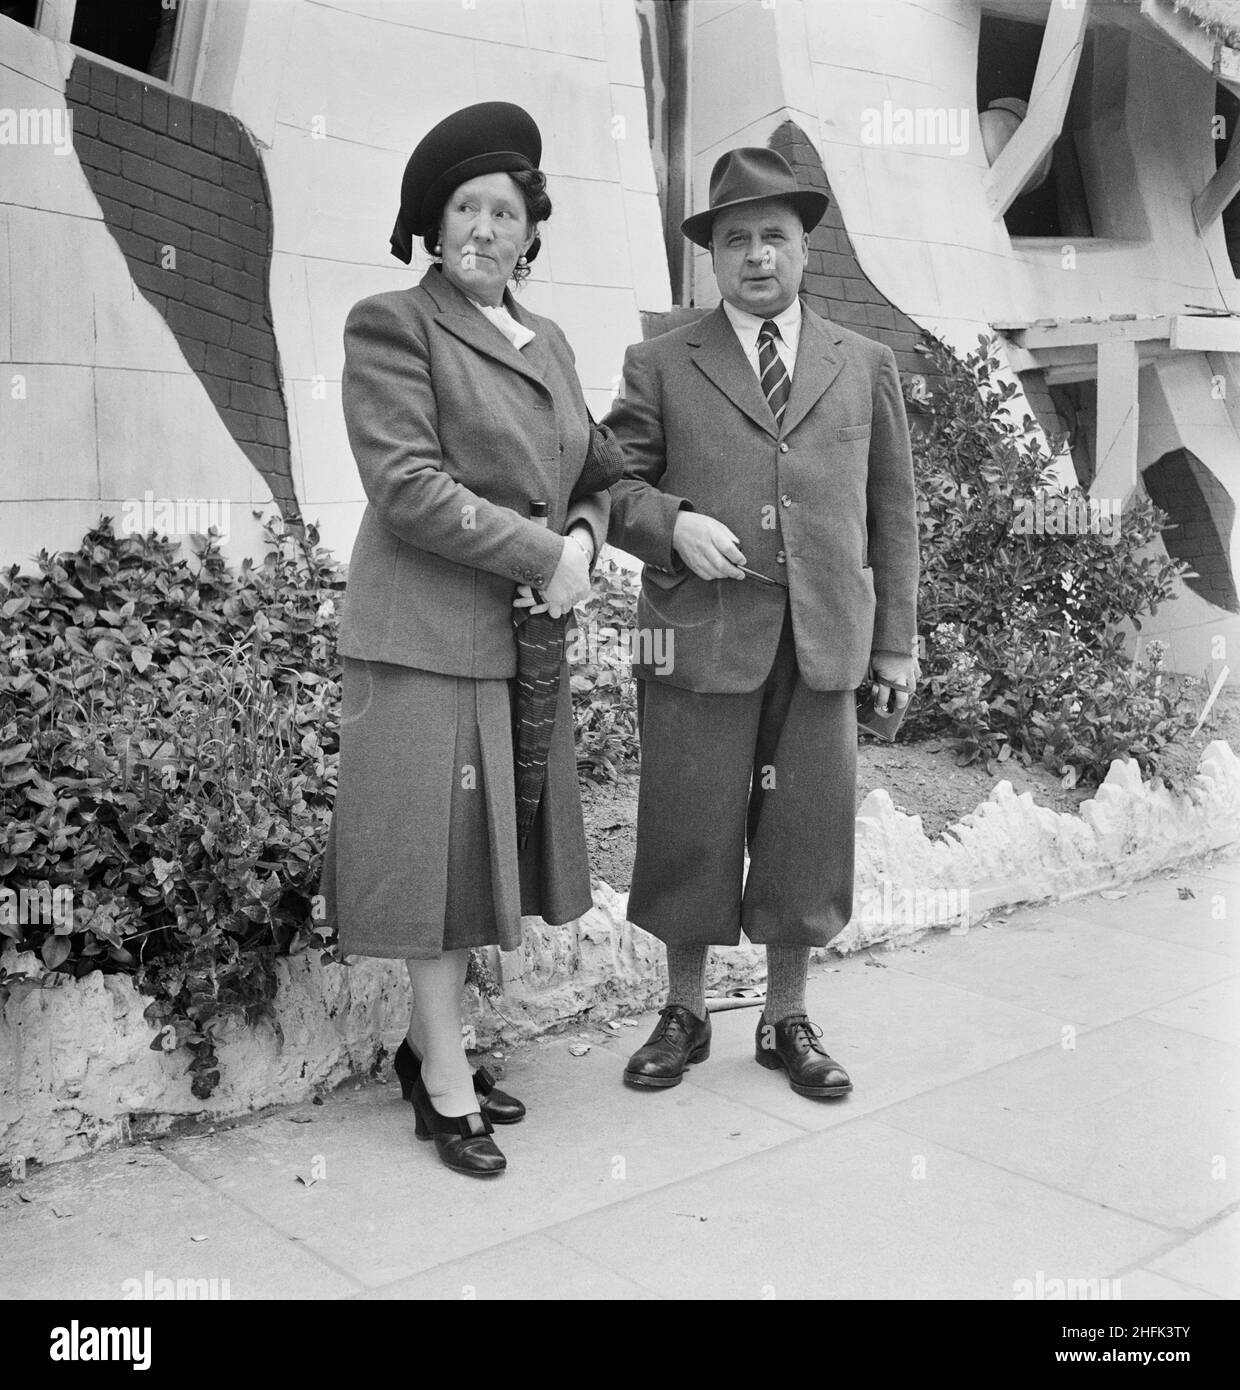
<point x="498" y="1106"/>
<point x="462" y="1141"/>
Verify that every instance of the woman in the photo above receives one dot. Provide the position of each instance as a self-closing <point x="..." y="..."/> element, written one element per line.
<point x="462" y="412"/>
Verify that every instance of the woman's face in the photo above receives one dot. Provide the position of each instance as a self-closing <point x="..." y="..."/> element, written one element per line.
<point x="484" y="229"/>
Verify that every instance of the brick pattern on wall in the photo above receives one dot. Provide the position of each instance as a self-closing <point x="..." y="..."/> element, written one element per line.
<point x="835" y="285"/>
<point x="1203" y="514"/>
<point x="183" y="193"/>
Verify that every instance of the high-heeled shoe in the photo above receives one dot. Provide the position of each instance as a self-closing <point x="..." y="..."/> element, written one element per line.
<point x="463" y="1142"/>
<point x="498" y="1106"/>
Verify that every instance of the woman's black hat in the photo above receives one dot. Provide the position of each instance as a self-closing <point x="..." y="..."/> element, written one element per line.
<point x="490" y="137"/>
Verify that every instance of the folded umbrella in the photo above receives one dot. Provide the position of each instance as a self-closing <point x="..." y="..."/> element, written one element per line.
<point x="540" y="652"/>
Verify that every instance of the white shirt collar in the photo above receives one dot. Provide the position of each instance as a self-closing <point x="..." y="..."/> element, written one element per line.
<point x="747" y="325"/>
<point x="516" y="333"/>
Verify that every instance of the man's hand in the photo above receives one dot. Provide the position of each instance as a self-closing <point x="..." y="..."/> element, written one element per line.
<point x="891" y="670"/>
<point x="571" y="581"/>
<point x="707" y="546"/>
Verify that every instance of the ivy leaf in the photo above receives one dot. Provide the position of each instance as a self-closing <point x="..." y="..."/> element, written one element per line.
<point x="55" y="951"/>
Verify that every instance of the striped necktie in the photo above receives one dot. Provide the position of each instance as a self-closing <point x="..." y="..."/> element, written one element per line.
<point x="776" y="385"/>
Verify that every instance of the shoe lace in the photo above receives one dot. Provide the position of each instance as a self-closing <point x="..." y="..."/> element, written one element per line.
<point x="669" y="1022"/>
<point x="803" y="1033"/>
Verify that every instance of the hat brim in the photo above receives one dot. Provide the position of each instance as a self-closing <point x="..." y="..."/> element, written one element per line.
<point x="809" y="205"/>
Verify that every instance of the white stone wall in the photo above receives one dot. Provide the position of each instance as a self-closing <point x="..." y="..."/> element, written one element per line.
<point x="335" y="95"/>
<point x="97" y="402"/>
<point x="370" y="77"/>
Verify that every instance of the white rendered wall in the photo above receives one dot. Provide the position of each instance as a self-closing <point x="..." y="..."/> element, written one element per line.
<point x="340" y="93"/>
<point x="111" y="409"/>
<point x="335" y="93"/>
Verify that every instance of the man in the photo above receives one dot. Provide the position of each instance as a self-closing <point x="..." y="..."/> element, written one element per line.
<point x="769" y="491"/>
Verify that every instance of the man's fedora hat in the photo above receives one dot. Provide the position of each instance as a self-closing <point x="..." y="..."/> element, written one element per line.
<point x="746" y="176"/>
<point x="491" y="137"/>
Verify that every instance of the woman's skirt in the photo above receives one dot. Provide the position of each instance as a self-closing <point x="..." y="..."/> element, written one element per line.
<point x="422" y="852"/>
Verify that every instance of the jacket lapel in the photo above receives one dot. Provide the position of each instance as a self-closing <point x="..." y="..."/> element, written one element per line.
<point x="459" y="317"/>
<point x="818" y="363"/>
<point x="717" y="351"/>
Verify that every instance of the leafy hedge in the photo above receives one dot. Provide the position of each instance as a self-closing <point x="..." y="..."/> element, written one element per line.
<point x="168" y="735"/>
<point x="1025" y="634"/>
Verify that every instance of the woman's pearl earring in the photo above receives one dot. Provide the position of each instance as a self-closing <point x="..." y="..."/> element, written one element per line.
<point x="439" y="248"/>
<point x="521" y="260"/>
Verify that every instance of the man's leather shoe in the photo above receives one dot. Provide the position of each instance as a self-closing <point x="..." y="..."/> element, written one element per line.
<point x="791" y="1045"/>
<point x="678" y="1039"/>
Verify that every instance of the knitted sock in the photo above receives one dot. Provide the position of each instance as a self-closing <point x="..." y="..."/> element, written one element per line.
<point x="786" y="968"/>
<point x="686" y="978"/>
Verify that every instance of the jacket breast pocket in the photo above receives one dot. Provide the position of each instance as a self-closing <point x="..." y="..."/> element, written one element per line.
<point x="854" y="432"/>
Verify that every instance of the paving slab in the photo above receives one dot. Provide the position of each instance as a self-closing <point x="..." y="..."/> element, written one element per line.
<point x="386" y="1208"/>
<point x="897" y="1034"/>
<point x="531" y="1267"/>
<point x="1136" y="1115"/>
<point x="1071" y="968"/>
<point x="1141" y="1284"/>
<point x="1209" y="1261"/>
<point x="90" y="1224"/>
<point x="1213" y="1012"/>
<point x="1208" y="919"/>
<point x="1226" y="869"/>
<point x="857" y="1211"/>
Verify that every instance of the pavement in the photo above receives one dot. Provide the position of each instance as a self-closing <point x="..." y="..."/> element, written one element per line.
<point x="1050" y="1097"/>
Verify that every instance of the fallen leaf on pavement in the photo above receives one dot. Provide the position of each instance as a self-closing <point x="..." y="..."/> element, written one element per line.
<point x="306" y="1182"/>
<point x="1113" y="893"/>
<point x="300" y="1119"/>
<point x="1187" y="893"/>
<point x="56" y="1211"/>
<point x="579" y="1049"/>
<point x="196" y="1239"/>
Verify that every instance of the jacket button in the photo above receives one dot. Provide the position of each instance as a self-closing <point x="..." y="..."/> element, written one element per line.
<point x="781" y="558"/>
<point x="783" y="448"/>
<point x="785" y="501"/>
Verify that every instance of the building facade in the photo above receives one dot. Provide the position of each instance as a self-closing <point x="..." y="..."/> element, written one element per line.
<point x="191" y="201"/>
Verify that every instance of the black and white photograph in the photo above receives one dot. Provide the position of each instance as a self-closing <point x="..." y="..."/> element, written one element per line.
<point x="619" y="666"/>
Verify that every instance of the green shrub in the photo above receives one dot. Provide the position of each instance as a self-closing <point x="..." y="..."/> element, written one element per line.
<point x="1025" y="634"/>
<point x="168" y="736"/>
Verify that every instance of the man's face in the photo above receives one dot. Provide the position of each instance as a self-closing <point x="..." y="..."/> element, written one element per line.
<point x="758" y="251"/>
